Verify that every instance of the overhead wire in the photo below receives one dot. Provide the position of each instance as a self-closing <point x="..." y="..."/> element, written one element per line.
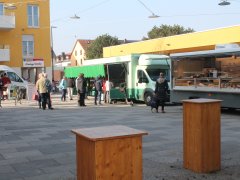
<point x="202" y="14"/>
<point x="144" y="5"/>
<point x="162" y="16"/>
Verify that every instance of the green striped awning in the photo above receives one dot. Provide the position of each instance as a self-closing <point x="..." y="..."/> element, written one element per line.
<point x="88" y="71"/>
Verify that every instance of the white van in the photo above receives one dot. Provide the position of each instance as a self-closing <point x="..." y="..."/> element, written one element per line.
<point x="16" y="80"/>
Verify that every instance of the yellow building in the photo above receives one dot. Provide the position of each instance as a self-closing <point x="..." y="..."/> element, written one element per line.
<point x="197" y="41"/>
<point x="25" y="37"/>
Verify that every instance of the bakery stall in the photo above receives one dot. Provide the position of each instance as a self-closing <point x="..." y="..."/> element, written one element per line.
<point x="211" y="74"/>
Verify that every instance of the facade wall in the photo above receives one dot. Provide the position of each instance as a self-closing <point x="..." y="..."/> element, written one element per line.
<point x="41" y="37"/>
<point x="58" y="75"/>
<point x="196" y="41"/>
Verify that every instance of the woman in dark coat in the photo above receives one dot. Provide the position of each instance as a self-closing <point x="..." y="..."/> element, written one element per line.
<point x="161" y="89"/>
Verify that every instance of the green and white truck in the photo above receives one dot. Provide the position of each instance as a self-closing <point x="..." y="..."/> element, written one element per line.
<point x="135" y="73"/>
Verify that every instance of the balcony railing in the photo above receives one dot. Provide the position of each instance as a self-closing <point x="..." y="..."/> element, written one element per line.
<point x="4" y="54"/>
<point x="7" y="22"/>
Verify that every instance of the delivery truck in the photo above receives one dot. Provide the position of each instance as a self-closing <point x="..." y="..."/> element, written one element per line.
<point x="133" y="76"/>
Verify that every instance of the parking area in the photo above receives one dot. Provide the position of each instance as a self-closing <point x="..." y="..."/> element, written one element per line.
<point x="37" y="144"/>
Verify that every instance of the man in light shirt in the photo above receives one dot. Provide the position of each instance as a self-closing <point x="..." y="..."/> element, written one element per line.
<point x="42" y="89"/>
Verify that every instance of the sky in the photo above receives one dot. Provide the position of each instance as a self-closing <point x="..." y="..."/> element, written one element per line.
<point x="128" y="19"/>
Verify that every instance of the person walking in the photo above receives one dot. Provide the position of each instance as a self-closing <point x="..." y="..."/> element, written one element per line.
<point x="98" y="90"/>
<point x="63" y="86"/>
<point x="161" y="89"/>
<point x="48" y="93"/>
<point x="81" y="89"/>
<point x="42" y="89"/>
<point x="70" y="86"/>
<point x="6" y="82"/>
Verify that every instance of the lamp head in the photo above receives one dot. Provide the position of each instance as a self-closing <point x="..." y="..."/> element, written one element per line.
<point x="75" y="17"/>
<point x="224" y="3"/>
<point x="153" y="16"/>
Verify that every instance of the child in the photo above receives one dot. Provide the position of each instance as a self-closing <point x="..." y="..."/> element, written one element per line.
<point x="154" y="103"/>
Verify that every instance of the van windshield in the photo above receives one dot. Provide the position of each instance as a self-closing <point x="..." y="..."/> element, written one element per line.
<point x="154" y="73"/>
<point x="14" y="77"/>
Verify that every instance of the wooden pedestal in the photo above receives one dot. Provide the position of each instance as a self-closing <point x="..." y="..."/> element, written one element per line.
<point x="201" y="135"/>
<point x="110" y="152"/>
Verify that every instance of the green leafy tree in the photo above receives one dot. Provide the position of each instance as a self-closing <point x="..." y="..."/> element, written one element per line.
<point x="95" y="49"/>
<point x="167" y="30"/>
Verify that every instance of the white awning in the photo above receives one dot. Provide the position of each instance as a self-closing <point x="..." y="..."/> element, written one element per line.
<point x="224" y="52"/>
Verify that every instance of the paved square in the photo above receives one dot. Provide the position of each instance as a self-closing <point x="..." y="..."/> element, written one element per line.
<point x="38" y="145"/>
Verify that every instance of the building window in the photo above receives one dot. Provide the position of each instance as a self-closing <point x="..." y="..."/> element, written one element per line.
<point x="76" y="53"/>
<point x="27" y="46"/>
<point x="80" y="52"/>
<point x="33" y="16"/>
<point x="1" y="8"/>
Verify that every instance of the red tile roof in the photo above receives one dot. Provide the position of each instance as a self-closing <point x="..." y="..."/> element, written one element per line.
<point x="85" y="43"/>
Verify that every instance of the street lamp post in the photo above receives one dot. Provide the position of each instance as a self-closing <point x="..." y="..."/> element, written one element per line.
<point x="52" y="52"/>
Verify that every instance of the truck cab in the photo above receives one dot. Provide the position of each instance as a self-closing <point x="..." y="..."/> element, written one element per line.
<point x="146" y="74"/>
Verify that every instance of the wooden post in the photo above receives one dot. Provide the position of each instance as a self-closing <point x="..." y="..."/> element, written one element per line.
<point x="110" y="152"/>
<point x="201" y="135"/>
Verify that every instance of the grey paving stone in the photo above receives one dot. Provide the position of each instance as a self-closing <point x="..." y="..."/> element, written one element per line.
<point x="34" y="166"/>
<point x="14" y="161"/>
<point x="9" y="138"/>
<point x="25" y="132"/>
<point x="57" y="148"/>
<point x="62" y="168"/>
<point x="66" y="160"/>
<point x="11" y="176"/>
<point x="12" y="145"/>
<point x="26" y="148"/>
<point x="54" y="156"/>
<point x="1" y="157"/>
<point x="53" y="176"/>
<point x="6" y="169"/>
<point x="21" y="154"/>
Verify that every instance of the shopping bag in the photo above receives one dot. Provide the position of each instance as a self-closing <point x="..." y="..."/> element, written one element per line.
<point x="35" y="97"/>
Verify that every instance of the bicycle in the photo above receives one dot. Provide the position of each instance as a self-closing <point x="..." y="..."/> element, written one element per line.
<point x="18" y="94"/>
